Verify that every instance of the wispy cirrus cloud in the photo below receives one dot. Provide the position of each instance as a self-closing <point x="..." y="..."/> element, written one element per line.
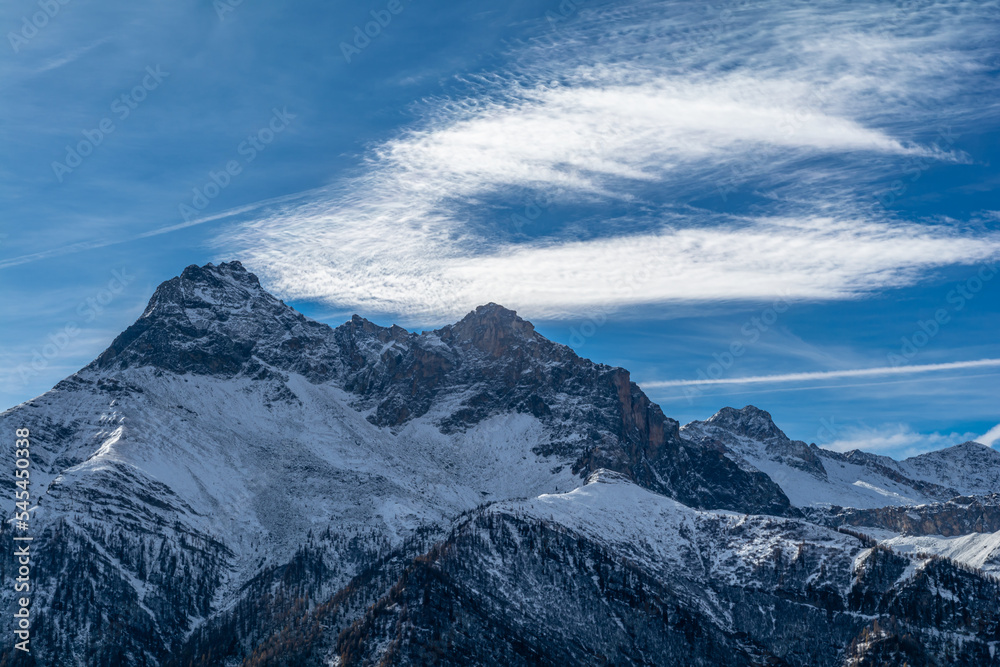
<point x="70" y="56"/>
<point x="413" y="269"/>
<point x="607" y="114"/>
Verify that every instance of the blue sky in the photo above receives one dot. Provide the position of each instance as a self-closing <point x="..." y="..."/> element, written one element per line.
<point x="693" y="192"/>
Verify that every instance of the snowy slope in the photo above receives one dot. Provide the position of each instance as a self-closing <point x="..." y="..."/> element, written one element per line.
<point x="670" y="537"/>
<point x="978" y="550"/>
<point x="256" y="476"/>
<point x="970" y="468"/>
<point x="613" y="573"/>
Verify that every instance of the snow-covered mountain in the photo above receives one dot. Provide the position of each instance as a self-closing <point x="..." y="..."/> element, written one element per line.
<point x="233" y="483"/>
<point x="613" y="573"/>
<point x="813" y="476"/>
<point x="971" y="468"/>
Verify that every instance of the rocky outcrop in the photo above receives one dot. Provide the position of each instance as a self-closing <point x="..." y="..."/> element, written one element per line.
<point x="958" y="516"/>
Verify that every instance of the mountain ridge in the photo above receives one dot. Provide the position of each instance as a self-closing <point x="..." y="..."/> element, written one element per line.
<point x="227" y="458"/>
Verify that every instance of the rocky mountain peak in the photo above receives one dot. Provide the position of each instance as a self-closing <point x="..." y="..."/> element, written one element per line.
<point x="966" y="452"/>
<point x="212" y="273"/>
<point x="751" y="422"/>
<point x="490" y="328"/>
<point x="973" y="447"/>
<point x="209" y="290"/>
<point x="214" y="319"/>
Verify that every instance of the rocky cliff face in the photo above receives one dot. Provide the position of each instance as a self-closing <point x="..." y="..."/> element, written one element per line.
<point x="233" y="483"/>
<point x="959" y="516"/>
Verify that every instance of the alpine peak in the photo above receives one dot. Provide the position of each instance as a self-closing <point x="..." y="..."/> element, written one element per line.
<point x="491" y="328"/>
<point x="751" y="421"/>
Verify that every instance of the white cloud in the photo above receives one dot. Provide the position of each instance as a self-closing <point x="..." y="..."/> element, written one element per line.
<point x="896" y="440"/>
<point x="610" y="112"/>
<point x="990" y="436"/>
<point x="397" y="259"/>
<point x="631" y="125"/>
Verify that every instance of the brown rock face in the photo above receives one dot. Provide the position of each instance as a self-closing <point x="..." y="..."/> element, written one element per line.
<point x="492" y="329"/>
<point x="642" y="416"/>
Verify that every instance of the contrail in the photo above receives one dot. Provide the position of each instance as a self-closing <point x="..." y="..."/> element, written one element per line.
<point x="826" y="375"/>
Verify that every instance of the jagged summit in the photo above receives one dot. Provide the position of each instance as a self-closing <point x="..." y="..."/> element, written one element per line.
<point x="212" y="319"/>
<point x="966" y="452"/>
<point x="217" y="320"/>
<point x="209" y="288"/>
<point x="751" y="422"/>
<point x="493" y="312"/>
<point x="492" y="329"/>
<point x="210" y="271"/>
